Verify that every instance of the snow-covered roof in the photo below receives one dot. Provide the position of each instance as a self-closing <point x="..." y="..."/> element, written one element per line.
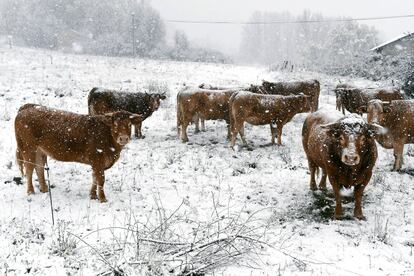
<point x="392" y="40"/>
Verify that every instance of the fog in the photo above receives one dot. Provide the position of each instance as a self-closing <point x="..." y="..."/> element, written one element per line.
<point x="227" y="37"/>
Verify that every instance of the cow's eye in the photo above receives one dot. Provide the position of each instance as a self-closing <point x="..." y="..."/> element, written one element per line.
<point x="342" y="139"/>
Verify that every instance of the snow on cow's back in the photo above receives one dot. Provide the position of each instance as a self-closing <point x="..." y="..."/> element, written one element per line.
<point x="269" y="100"/>
<point x="328" y="115"/>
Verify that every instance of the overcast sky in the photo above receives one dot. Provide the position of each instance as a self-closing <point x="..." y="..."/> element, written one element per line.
<point x="227" y="37"/>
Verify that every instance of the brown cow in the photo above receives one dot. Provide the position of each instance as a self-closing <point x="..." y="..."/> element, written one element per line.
<point x="355" y="100"/>
<point x="65" y="136"/>
<point x="344" y="148"/>
<point x="196" y="103"/>
<point x="101" y="101"/>
<point x="310" y="88"/>
<point x="397" y="118"/>
<point x="259" y="109"/>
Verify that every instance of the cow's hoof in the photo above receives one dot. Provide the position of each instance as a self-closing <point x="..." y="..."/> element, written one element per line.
<point x="30" y="192"/>
<point x="93" y="196"/>
<point x="44" y="190"/>
<point x="103" y="200"/>
<point x="140" y="137"/>
<point x="313" y="188"/>
<point x="360" y="217"/>
<point x="338" y="217"/>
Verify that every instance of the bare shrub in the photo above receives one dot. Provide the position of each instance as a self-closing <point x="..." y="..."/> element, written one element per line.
<point x="175" y="244"/>
<point x="381" y="231"/>
<point x="64" y="243"/>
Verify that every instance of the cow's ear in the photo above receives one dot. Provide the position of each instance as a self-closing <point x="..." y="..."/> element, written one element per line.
<point x="108" y="119"/>
<point x="332" y="129"/>
<point x="386" y="107"/>
<point x="374" y="130"/>
<point x="362" y="109"/>
<point x="135" y="118"/>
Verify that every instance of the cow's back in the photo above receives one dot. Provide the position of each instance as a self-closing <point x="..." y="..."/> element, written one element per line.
<point x="101" y="101"/>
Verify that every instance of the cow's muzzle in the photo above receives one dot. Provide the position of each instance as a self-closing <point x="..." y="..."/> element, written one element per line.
<point x="123" y="140"/>
<point x="351" y="159"/>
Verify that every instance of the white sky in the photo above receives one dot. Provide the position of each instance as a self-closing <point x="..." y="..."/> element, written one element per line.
<point x="227" y="37"/>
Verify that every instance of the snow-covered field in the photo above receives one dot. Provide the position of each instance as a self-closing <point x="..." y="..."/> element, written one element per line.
<point x="159" y="178"/>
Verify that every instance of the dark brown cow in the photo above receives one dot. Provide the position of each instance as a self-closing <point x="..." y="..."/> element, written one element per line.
<point x="345" y="150"/>
<point x="310" y="88"/>
<point x="259" y="109"/>
<point x="338" y="91"/>
<point x="64" y="136"/>
<point x="355" y="100"/>
<point x="101" y="101"/>
<point x="196" y="103"/>
<point x="397" y="118"/>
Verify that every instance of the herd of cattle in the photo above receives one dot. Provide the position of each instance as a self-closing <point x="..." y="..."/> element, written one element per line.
<point x="342" y="147"/>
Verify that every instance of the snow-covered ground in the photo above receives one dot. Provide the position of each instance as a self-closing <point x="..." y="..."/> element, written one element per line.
<point x="200" y="180"/>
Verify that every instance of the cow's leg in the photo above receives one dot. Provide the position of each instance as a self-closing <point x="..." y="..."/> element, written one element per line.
<point x="273" y="131"/>
<point x="234" y="131"/>
<point x="398" y="152"/>
<point x="184" y="126"/>
<point x="29" y="165"/>
<point x="312" y="170"/>
<point x="338" y="198"/>
<point x="40" y="170"/>
<point x="322" y="183"/>
<point x="138" y="130"/>
<point x="196" y="121"/>
<point x="203" y="125"/>
<point x="97" y="190"/>
<point x="241" y="132"/>
<point x="228" y="130"/>
<point x="358" y="192"/>
<point x="279" y="134"/>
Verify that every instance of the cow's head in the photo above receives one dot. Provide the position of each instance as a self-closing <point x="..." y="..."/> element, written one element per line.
<point x="376" y="110"/>
<point x="155" y="100"/>
<point x="120" y="124"/>
<point x="338" y="95"/>
<point x="352" y="136"/>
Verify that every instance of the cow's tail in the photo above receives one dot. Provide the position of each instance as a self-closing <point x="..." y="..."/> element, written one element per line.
<point x="179" y="115"/>
<point x="19" y="160"/>
<point x="90" y="99"/>
<point x="318" y="92"/>
<point x="231" y="113"/>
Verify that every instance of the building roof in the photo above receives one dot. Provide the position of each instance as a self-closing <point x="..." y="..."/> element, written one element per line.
<point x="404" y="35"/>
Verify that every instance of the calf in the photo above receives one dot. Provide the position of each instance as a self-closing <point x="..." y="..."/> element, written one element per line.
<point x="96" y="140"/>
<point x="397" y="118"/>
<point x="355" y="100"/>
<point x="101" y="101"/>
<point x="344" y="148"/>
<point x="196" y="103"/>
<point x="310" y="88"/>
<point x="258" y="109"/>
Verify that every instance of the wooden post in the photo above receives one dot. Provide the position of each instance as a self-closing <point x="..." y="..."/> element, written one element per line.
<point x="10" y="39"/>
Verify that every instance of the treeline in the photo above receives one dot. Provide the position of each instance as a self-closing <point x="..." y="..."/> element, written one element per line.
<point x="313" y="45"/>
<point x="101" y="27"/>
<point x="334" y="47"/>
